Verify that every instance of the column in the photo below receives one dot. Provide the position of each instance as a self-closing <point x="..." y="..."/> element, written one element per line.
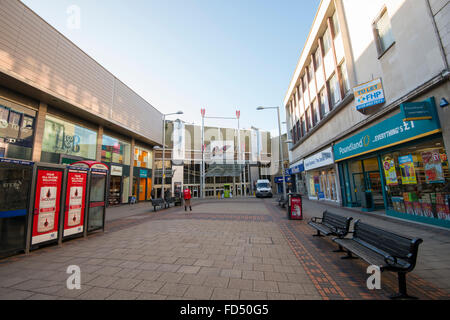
<point x="39" y="132"/>
<point x="132" y="167"/>
<point x="98" y="155"/>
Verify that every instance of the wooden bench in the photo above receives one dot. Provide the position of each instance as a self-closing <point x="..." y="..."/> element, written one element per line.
<point x="331" y="224"/>
<point x="387" y="250"/>
<point x="159" y="202"/>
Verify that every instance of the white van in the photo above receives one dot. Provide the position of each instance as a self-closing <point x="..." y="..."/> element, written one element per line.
<point x="263" y="189"/>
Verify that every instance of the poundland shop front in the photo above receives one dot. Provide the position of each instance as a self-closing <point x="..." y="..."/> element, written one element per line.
<point x="398" y="165"/>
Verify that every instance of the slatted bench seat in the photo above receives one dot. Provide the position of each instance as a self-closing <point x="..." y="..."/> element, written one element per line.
<point x="387" y="250"/>
<point x="159" y="202"/>
<point x="170" y="201"/>
<point x="331" y="224"/>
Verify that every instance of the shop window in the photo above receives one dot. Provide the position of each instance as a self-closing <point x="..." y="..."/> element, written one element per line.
<point x="142" y="158"/>
<point x="63" y="137"/>
<point x="16" y="130"/>
<point x="383" y="32"/>
<point x="416" y="179"/>
<point x="116" y="151"/>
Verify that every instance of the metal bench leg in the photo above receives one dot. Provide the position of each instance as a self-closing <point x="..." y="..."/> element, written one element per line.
<point x="340" y="249"/>
<point x="402" y="294"/>
<point x="318" y="234"/>
<point x="349" y="256"/>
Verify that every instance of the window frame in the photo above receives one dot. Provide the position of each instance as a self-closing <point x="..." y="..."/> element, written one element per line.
<point x="378" y="43"/>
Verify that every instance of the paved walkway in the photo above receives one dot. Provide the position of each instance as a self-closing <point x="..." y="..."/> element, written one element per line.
<point x="225" y="249"/>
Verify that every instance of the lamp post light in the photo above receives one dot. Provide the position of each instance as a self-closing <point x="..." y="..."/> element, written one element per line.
<point x="279" y="142"/>
<point x="164" y="150"/>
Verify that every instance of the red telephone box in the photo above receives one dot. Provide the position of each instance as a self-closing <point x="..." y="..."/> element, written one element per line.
<point x="96" y="198"/>
<point x="75" y="201"/>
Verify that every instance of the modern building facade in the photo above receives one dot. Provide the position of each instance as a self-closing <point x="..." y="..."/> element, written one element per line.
<point x="58" y="105"/>
<point x="225" y="162"/>
<point x="367" y="108"/>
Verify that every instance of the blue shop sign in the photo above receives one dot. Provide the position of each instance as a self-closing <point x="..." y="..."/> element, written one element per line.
<point x="143" y="173"/>
<point x="280" y="179"/>
<point x="390" y="132"/>
<point x="297" y="169"/>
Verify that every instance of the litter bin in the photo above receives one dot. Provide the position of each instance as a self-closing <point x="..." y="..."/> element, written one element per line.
<point x="295" y="209"/>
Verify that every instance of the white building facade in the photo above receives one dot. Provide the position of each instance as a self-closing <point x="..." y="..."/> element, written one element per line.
<point x="366" y="108"/>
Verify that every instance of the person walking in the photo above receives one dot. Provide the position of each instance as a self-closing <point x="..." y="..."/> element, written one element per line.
<point x="187" y="199"/>
<point x="153" y="193"/>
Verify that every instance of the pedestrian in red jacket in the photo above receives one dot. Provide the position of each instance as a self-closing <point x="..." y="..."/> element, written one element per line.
<point x="187" y="199"/>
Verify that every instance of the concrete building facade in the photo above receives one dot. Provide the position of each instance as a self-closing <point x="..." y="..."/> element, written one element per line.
<point x="58" y="105"/>
<point x="363" y="68"/>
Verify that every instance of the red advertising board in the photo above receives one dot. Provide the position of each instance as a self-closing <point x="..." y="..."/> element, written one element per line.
<point x="296" y="208"/>
<point x="75" y="203"/>
<point x="46" y="206"/>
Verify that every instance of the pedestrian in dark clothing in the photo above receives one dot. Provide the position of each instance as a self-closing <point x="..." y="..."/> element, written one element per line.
<point x="153" y="193"/>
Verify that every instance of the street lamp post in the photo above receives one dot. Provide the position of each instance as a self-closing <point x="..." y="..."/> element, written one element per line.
<point x="281" y="147"/>
<point x="164" y="150"/>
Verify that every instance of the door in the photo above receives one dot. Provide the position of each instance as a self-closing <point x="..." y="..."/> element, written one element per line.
<point x="97" y="195"/>
<point x="373" y="179"/>
<point x="142" y="183"/>
<point x="358" y="187"/>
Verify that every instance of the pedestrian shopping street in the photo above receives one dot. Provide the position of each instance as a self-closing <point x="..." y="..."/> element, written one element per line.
<point x="241" y="248"/>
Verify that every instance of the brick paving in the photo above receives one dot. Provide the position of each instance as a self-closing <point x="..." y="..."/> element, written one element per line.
<point x="225" y="249"/>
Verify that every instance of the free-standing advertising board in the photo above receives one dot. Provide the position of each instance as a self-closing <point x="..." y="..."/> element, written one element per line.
<point x="47" y="206"/>
<point x="75" y="203"/>
<point x="295" y="209"/>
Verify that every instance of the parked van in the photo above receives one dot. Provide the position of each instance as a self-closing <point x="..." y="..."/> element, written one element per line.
<point x="263" y="189"/>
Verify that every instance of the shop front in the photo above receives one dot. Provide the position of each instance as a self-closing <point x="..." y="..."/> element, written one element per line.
<point x="116" y="155"/>
<point x="16" y="130"/>
<point x="320" y="176"/>
<point x="279" y="183"/>
<point x="398" y="165"/>
<point x="296" y="172"/>
<point x="142" y="174"/>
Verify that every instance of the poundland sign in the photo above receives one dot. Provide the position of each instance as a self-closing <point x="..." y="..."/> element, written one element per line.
<point x="387" y="133"/>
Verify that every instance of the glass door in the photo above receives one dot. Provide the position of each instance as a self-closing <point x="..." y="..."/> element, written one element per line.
<point x="97" y="201"/>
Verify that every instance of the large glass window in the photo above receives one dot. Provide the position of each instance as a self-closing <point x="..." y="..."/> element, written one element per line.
<point x="416" y="179"/>
<point x="63" y="137"/>
<point x="317" y="59"/>
<point x="326" y="42"/>
<point x="333" y="84"/>
<point x="324" y="108"/>
<point x="116" y="151"/>
<point x="336" y="27"/>
<point x="383" y="32"/>
<point x="16" y="130"/>
<point x="142" y="158"/>
<point x="344" y="76"/>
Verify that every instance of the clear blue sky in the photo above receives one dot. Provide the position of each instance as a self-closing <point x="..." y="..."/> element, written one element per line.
<point x="188" y="54"/>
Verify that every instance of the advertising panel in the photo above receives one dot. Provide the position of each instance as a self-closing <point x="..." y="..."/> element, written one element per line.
<point x="433" y="167"/>
<point x="296" y="208"/>
<point x="407" y="169"/>
<point x="389" y="171"/>
<point x="75" y="203"/>
<point x="222" y="150"/>
<point x="46" y="206"/>
<point x="369" y="94"/>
